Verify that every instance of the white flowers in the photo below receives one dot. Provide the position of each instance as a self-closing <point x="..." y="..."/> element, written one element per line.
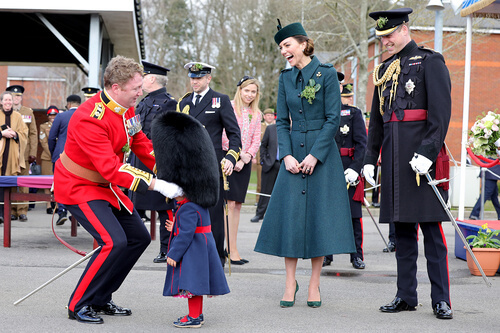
<point x="485" y="135"/>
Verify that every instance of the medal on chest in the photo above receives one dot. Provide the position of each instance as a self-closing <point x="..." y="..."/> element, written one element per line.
<point x="344" y="129"/>
<point x="216" y="102"/>
<point x="134" y="125"/>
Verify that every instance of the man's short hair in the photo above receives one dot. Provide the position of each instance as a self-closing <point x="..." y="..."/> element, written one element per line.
<point x="161" y="80"/>
<point x="74" y="99"/>
<point x="120" y="70"/>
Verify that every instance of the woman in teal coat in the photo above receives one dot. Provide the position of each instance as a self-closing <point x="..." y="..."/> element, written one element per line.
<point x="308" y="214"/>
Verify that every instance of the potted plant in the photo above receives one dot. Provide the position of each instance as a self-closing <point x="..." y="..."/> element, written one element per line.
<point x="486" y="248"/>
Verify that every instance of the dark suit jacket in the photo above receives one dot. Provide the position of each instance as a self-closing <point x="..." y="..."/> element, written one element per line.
<point x="269" y="148"/>
<point x="215" y="113"/>
<point x="57" y="135"/>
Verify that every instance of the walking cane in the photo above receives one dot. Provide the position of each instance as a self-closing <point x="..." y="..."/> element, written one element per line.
<point x="366" y="204"/>
<point x="58" y="275"/>
<point x="226" y="188"/>
<point x="432" y="183"/>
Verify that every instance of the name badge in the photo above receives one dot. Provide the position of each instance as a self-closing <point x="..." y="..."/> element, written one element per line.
<point x="210" y="111"/>
<point x="134" y="125"/>
<point x="26" y="119"/>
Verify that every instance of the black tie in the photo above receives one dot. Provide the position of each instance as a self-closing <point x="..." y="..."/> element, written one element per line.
<point x="197" y="100"/>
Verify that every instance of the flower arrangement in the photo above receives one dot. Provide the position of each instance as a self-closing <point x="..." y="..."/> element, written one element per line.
<point x="484" y="238"/>
<point x="310" y="91"/>
<point x="485" y="135"/>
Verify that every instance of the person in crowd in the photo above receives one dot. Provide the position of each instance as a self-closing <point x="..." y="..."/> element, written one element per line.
<point x="491" y="177"/>
<point x="266" y="161"/>
<point x="308" y="214"/>
<point x="409" y="119"/>
<point x="47" y="166"/>
<point x="194" y="267"/>
<point x="267" y="120"/>
<point x="215" y="112"/>
<point x="57" y="140"/>
<point x="89" y="92"/>
<point x="21" y="210"/>
<point x="88" y="179"/>
<point x="351" y="140"/>
<point x="157" y="100"/>
<point x="248" y="114"/>
<point x="13" y="141"/>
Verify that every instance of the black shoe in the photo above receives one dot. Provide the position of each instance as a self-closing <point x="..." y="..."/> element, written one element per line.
<point x="189" y="323"/>
<point x="50" y="211"/>
<point x="442" y="310"/>
<point x="62" y="218"/>
<point x="1" y="219"/>
<point x="86" y="315"/>
<point x="23" y="218"/>
<point x="327" y="261"/>
<point x="13" y="217"/>
<point x="160" y="258"/>
<point x="472" y="217"/>
<point x="244" y="261"/>
<point x="358" y="263"/>
<point x="111" y="309"/>
<point x="237" y="262"/>
<point x="256" y="218"/>
<point x="397" y="305"/>
<point x="391" y="247"/>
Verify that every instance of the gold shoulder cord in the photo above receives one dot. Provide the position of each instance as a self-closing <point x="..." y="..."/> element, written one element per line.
<point x="392" y="72"/>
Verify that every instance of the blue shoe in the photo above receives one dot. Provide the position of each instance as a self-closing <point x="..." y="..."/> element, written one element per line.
<point x="190" y="323"/>
<point x="288" y="304"/>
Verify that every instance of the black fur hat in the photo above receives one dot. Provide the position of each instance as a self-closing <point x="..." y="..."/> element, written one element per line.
<point x="185" y="156"/>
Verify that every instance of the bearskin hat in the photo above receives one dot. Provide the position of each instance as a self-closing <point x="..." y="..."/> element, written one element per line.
<point x="185" y="156"/>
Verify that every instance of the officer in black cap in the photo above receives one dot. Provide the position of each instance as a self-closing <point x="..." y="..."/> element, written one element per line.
<point x="409" y="119"/>
<point x="155" y="102"/>
<point x="215" y="112"/>
<point x="21" y="210"/>
<point x="88" y="92"/>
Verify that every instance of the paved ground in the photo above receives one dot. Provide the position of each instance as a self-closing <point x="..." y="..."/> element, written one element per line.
<point x="351" y="298"/>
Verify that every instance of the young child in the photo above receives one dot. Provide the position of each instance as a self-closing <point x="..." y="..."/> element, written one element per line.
<point x="184" y="153"/>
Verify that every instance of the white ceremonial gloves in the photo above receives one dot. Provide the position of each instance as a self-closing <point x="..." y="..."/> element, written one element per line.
<point x="170" y="190"/>
<point x="420" y="164"/>
<point x="351" y="176"/>
<point x="369" y="173"/>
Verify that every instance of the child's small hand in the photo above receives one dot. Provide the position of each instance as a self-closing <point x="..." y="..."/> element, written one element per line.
<point x="171" y="262"/>
<point x="168" y="225"/>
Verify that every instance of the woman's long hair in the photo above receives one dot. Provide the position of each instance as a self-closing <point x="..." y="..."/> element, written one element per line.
<point x="238" y="103"/>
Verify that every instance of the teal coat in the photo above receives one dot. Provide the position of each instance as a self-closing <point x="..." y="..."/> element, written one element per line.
<point x="308" y="216"/>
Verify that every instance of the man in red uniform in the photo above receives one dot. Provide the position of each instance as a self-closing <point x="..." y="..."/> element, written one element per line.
<point x="87" y="177"/>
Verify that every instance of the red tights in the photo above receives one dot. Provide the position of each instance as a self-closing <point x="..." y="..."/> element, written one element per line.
<point x="195" y="305"/>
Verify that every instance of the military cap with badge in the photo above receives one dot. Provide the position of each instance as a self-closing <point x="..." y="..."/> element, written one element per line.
<point x="90" y="91"/>
<point x="387" y="21"/>
<point x="198" y="69"/>
<point x="16" y="89"/>
<point x="52" y="110"/>
<point x="347" y="90"/>
<point x="150" y="68"/>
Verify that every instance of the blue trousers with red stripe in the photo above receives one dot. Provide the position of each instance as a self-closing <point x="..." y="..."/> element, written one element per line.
<point x="436" y="253"/>
<point x="122" y="237"/>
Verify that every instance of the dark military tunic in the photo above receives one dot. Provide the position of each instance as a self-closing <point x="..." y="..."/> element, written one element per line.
<point x="308" y="215"/>
<point x="424" y="84"/>
<point x="148" y="108"/>
<point x="352" y="135"/>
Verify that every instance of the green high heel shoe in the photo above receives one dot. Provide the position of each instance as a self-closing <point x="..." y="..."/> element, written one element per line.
<point x="315" y="304"/>
<point x="288" y="304"/>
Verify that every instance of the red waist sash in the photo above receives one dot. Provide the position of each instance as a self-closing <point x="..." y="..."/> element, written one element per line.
<point x="411" y="115"/>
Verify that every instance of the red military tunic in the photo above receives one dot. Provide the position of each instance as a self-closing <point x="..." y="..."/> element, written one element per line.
<point x="97" y="135"/>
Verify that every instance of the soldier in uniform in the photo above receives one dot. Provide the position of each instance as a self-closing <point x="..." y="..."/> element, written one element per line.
<point x="409" y="120"/>
<point x="158" y="100"/>
<point x="88" y="92"/>
<point x="52" y="112"/>
<point x="351" y="140"/>
<point x="17" y="91"/>
<point x="87" y="180"/>
<point x="215" y="112"/>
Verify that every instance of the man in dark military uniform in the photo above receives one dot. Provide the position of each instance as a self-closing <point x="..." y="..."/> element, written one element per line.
<point x="89" y="92"/>
<point x="410" y="115"/>
<point x="158" y="100"/>
<point x="17" y="91"/>
<point x="215" y="112"/>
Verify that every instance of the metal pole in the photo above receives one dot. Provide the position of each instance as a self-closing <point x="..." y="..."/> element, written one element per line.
<point x="366" y="204"/>
<point x="58" y="275"/>
<point x="483" y="182"/>
<point x="457" y="229"/>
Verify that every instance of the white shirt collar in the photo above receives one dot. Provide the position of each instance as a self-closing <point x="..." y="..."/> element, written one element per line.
<point x="203" y="93"/>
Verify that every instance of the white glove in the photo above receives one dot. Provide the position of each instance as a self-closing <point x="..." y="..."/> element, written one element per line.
<point x="368" y="173"/>
<point x="420" y="164"/>
<point x="170" y="190"/>
<point x="351" y="176"/>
